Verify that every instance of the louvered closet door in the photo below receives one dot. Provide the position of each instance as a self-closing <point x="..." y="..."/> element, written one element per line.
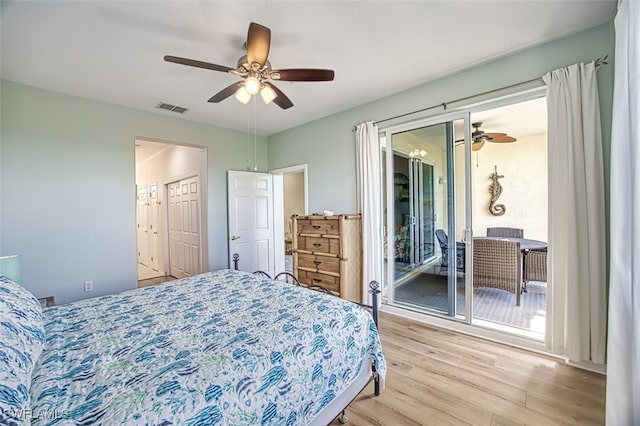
<point x="184" y="227"/>
<point x="142" y="212"/>
<point x="154" y="226"/>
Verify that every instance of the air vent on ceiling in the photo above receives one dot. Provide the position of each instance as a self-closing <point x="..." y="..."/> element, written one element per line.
<point x="169" y="107"/>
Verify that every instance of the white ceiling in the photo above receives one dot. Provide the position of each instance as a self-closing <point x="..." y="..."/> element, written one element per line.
<point x="113" y="50"/>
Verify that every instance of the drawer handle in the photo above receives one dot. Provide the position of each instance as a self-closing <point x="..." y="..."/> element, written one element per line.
<point x="317" y="245"/>
<point x="317" y="262"/>
<point x="317" y="226"/>
<point x="316" y="280"/>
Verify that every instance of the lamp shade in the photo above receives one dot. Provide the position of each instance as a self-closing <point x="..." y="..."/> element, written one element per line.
<point x="252" y="85"/>
<point x="242" y="95"/>
<point x="267" y="94"/>
<point x="10" y="268"/>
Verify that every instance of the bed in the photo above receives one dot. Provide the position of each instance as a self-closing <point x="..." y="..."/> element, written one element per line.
<point x="225" y="347"/>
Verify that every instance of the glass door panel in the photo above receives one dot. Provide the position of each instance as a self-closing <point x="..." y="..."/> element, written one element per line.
<point x="425" y="204"/>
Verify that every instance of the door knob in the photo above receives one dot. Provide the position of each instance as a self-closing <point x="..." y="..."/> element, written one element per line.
<point x="233" y="238"/>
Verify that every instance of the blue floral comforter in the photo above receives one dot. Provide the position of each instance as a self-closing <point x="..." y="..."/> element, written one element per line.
<point x="225" y="347"/>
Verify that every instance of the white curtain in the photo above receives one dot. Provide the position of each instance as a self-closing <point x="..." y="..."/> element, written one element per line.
<point x="576" y="306"/>
<point x="623" y="350"/>
<point x="369" y="203"/>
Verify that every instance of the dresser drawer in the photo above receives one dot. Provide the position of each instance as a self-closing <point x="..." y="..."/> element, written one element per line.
<point x="319" y="263"/>
<point x="318" y="226"/>
<point x="315" y="278"/>
<point x="319" y="244"/>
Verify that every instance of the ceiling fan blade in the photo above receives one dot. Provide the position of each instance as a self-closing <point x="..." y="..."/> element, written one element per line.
<point x="197" y="64"/>
<point x="225" y="93"/>
<point x="258" y="44"/>
<point x="281" y="100"/>
<point x="302" y="74"/>
<point x="500" y="138"/>
<point x="477" y="145"/>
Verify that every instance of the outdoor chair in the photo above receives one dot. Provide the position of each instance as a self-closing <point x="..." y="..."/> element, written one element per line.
<point x="535" y="265"/>
<point x="444" y="248"/>
<point x="497" y="264"/>
<point x="505" y="232"/>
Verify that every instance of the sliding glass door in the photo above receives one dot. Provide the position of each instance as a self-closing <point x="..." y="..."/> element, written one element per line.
<point x="426" y="216"/>
<point x="413" y="213"/>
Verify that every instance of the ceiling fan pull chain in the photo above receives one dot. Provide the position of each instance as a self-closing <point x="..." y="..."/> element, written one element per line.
<point x="255" y="156"/>
<point x="248" y="140"/>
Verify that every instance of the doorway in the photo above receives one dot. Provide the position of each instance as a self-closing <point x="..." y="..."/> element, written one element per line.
<point x="294" y="202"/>
<point x="433" y="165"/>
<point x="163" y="168"/>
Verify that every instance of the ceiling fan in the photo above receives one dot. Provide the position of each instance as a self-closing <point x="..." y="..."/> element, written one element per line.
<point x="479" y="137"/>
<point x="255" y="70"/>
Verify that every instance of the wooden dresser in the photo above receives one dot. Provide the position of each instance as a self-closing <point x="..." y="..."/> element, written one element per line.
<point x="327" y="251"/>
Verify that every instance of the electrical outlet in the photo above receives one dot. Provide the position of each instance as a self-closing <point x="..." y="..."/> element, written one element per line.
<point x="88" y="286"/>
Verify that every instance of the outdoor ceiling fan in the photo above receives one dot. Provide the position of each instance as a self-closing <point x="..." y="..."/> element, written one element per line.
<point x="255" y="70"/>
<point x="479" y="137"/>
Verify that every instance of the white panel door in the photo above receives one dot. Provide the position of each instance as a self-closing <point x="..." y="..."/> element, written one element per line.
<point x="184" y="227"/>
<point x="250" y="202"/>
<point x="142" y="211"/>
<point x="154" y="226"/>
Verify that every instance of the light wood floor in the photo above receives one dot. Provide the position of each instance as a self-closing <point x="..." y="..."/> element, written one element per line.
<point x="153" y="281"/>
<point x="438" y="377"/>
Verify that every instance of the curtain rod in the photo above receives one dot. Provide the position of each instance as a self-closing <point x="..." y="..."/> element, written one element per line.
<point x="598" y="62"/>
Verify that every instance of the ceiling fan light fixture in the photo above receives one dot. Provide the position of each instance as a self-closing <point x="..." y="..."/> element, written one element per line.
<point x="267" y="94"/>
<point x="252" y="85"/>
<point x="242" y="95"/>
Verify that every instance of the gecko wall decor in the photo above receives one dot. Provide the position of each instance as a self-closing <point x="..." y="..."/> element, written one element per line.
<point x="496" y="190"/>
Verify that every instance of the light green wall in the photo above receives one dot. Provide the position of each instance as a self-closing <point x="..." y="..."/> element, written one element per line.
<point x="328" y="147"/>
<point x="67" y="187"/>
<point x="67" y="191"/>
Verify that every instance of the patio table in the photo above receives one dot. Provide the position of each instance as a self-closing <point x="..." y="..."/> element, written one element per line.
<point x="525" y="243"/>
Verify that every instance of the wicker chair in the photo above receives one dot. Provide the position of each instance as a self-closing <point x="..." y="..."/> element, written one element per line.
<point x="535" y="266"/>
<point x="505" y="232"/>
<point x="497" y="264"/>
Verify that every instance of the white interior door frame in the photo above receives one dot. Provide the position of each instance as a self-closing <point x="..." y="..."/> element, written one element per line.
<point x="278" y="205"/>
<point x="300" y="168"/>
<point x="181" y="169"/>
